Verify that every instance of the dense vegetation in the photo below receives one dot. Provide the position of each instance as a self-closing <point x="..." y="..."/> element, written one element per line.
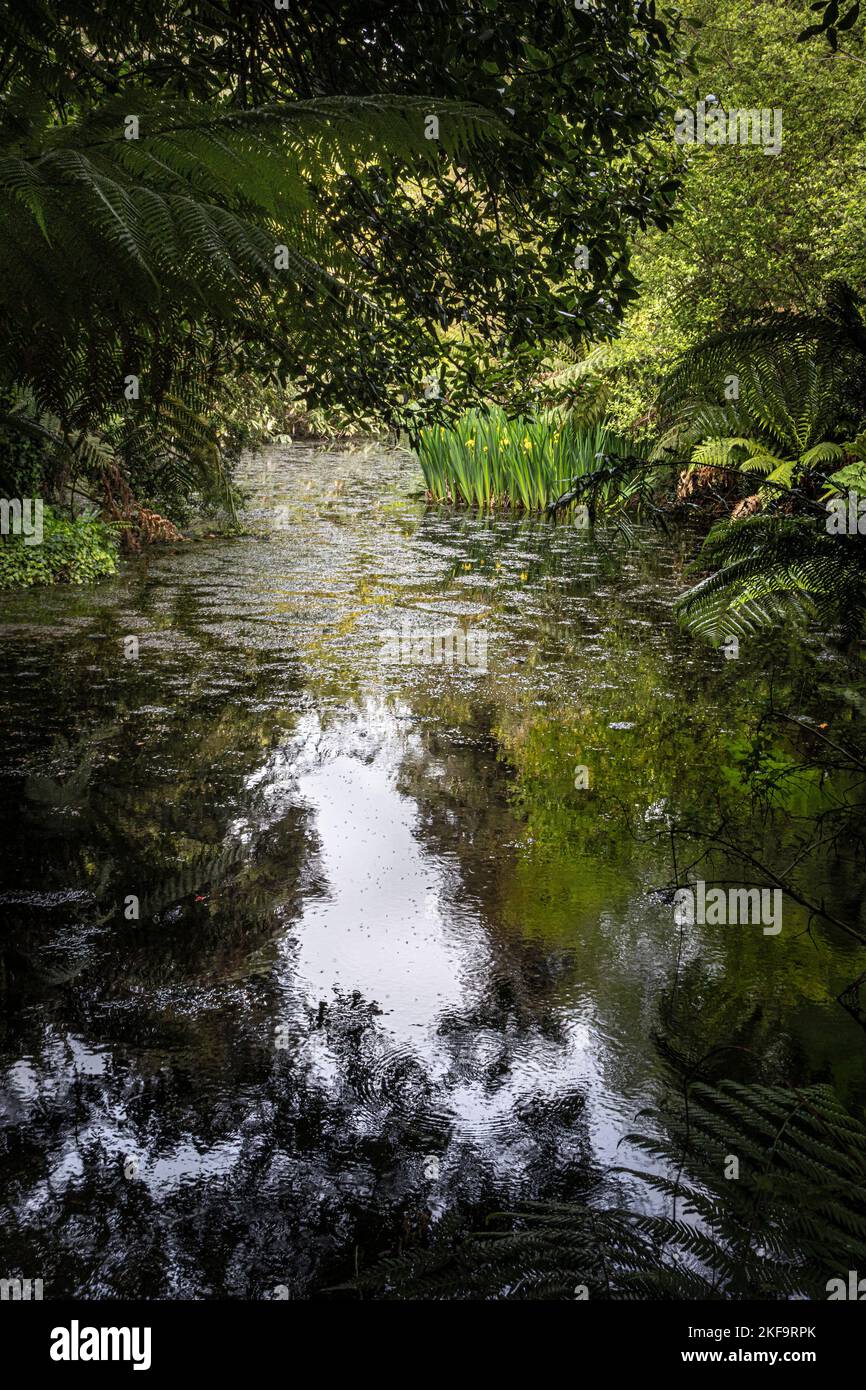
<point x="191" y="196"/>
<point x="74" y="550"/>
<point x="210" y="216"/>
<point x="471" y="227"/>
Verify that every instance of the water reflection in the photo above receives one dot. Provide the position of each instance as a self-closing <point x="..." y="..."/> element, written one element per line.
<point x="388" y="962"/>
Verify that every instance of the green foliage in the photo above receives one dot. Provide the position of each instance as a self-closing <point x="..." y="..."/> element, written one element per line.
<point x="777" y="400"/>
<point x="800" y="380"/>
<point x="255" y="129"/>
<point x="257" y="413"/>
<point x="487" y="460"/>
<point x="790" y="408"/>
<point x="831" y="23"/>
<point x="72" y="551"/>
<point x="755" y="233"/>
<point x="134" y="259"/>
<point x="793" y="1219"/>
<point x="767" y="565"/>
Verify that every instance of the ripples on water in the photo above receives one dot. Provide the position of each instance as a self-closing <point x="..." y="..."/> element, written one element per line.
<point x="385" y="963"/>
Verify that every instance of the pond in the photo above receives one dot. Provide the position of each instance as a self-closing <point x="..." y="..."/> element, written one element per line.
<point x="340" y="899"/>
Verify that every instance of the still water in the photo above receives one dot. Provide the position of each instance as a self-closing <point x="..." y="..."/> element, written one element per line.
<point x="305" y="946"/>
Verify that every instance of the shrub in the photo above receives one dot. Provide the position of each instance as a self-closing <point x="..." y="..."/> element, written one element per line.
<point x="73" y="551"/>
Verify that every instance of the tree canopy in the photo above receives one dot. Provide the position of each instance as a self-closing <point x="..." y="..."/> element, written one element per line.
<point x="362" y="200"/>
<point x="754" y="233"/>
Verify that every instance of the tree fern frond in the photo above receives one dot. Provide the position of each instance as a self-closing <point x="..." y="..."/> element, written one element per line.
<point x="794" y="1219"/>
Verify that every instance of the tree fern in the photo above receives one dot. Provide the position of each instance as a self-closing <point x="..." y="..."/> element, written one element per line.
<point x="788" y="1219"/>
<point x="144" y="260"/>
<point x="801" y="376"/>
<point x="763" y="566"/>
<point x="799" y="383"/>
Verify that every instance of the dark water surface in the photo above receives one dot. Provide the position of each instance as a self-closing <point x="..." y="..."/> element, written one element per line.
<point x="389" y="960"/>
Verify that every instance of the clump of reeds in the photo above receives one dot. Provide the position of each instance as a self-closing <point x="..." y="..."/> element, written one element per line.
<point x="486" y="460"/>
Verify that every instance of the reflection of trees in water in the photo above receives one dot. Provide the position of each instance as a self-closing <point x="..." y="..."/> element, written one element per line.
<point x="465" y="817"/>
<point x="766" y="998"/>
<point x="256" y="1166"/>
<point x="280" y="1168"/>
<point x="261" y="1167"/>
<point x="142" y="804"/>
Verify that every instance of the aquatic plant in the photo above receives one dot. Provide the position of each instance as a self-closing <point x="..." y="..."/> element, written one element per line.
<point x="486" y="460"/>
